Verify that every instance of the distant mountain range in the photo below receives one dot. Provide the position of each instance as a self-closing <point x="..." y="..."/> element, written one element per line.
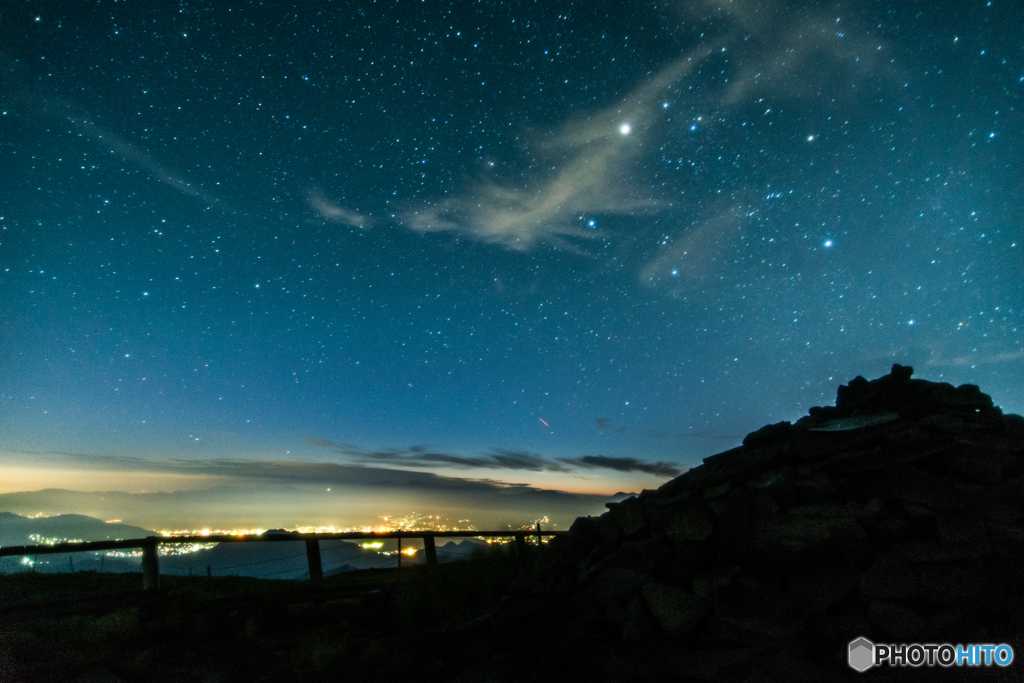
<point x="18" y="530"/>
<point x="288" y="504"/>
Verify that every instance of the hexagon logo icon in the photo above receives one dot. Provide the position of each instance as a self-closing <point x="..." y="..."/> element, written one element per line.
<point x="861" y="655"/>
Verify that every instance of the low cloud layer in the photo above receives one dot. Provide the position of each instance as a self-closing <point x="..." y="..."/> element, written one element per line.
<point x="422" y="456"/>
<point x="658" y="469"/>
<point x="269" y="494"/>
<point x="224" y="471"/>
<point x="499" y="459"/>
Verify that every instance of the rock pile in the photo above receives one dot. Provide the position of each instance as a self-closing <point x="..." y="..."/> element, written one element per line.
<point x="896" y="515"/>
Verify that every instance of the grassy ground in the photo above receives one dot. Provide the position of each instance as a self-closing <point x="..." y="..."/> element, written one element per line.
<point x="361" y="626"/>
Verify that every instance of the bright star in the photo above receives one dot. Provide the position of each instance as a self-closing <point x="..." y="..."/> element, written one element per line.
<point x="625" y="129"/>
<point x="828" y="243"/>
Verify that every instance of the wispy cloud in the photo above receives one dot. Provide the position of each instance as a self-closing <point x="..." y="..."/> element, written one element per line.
<point x="697" y="258"/>
<point x="941" y="355"/>
<point x="587" y="166"/>
<point x="587" y="163"/>
<point x="134" y="154"/>
<point x="658" y="434"/>
<point x="225" y="471"/>
<point x="658" y="469"/>
<point x="498" y="460"/>
<point x="38" y="102"/>
<point x="336" y="213"/>
<point x="781" y="51"/>
<point x="422" y="456"/>
<point x="604" y="424"/>
<point x="976" y="358"/>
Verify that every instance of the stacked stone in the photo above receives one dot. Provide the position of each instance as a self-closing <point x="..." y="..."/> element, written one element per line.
<point x="896" y="515"/>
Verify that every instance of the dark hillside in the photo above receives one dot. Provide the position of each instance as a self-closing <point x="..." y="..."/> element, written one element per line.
<point x="360" y="626"/>
<point x="896" y="515"/>
<point x="16" y="530"/>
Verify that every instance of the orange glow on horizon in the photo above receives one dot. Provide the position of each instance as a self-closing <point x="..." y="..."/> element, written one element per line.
<point x="18" y="478"/>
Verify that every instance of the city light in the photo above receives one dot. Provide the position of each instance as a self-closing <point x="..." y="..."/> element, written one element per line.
<point x="45" y="540"/>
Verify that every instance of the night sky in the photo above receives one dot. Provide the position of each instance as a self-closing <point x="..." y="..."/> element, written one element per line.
<point x="565" y="246"/>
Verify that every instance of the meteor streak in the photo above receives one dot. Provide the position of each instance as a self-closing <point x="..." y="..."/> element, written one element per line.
<point x="545" y="423"/>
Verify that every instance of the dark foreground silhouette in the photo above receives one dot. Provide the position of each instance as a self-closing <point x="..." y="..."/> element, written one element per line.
<point x="896" y="515"/>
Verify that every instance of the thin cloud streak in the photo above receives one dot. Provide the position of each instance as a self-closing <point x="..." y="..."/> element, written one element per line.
<point x="337" y="213"/>
<point x="144" y="161"/>
<point x="130" y="152"/>
<point x="657" y="434"/>
<point x="421" y="456"/>
<point x="500" y="459"/>
<point x="696" y="259"/>
<point x="658" y="469"/>
<point x="62" y="109"/>
<point x="977" y="358"/>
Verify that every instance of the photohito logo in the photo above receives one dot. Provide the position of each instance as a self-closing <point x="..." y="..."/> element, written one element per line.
<point x="862" y="654"/>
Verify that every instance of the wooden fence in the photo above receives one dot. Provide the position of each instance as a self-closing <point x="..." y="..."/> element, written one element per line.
<point x="151" y="558"/>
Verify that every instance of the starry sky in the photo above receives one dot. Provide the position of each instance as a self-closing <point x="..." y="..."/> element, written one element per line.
<point x="527" y="248"/>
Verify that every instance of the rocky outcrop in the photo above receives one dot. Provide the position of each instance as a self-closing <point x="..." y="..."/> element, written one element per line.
<point x="897" y="515"/>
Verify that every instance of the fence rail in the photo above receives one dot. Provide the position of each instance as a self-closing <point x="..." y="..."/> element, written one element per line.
<point x="151" y="561"/>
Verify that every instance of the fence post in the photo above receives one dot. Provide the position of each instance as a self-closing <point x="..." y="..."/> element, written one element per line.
<point x="538" y="534"/>
<point x="316" y="570"/>
<point x="399" y="552"/>
<point x="430" y="550"/>
<point x="521" y="546"/>
<point x="150" y="566"/>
